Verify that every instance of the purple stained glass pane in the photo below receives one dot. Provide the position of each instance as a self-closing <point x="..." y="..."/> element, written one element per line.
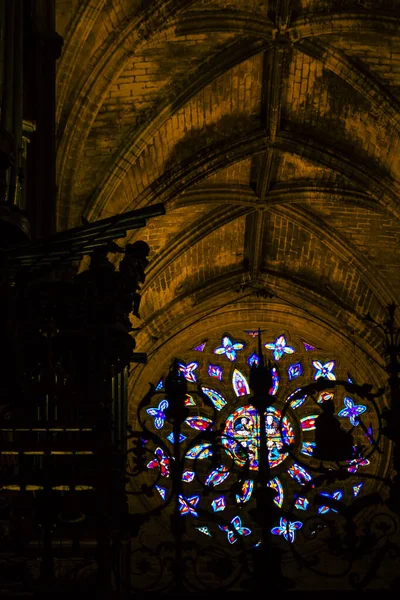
<point x="215" y="371"/>
<point x="200" y="347"/>
<point x="294" y="371"/>
<point x="253" y="359"/>
<point x="308" y="347"/>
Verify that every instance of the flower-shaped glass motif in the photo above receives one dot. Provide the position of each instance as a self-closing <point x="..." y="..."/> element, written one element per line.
<point x="158" y="414"/>
<point x="279" y="347"/>
<point x="160" y="461"/>
<point x="188" y="370"/>
<point x="352" y="411"/>
<point x="187" y="505"/>
<point x="324" y="370"/>
<point x="287" y="529"/>
<point x="229" y="348"/>
<point x="235" y="529"/>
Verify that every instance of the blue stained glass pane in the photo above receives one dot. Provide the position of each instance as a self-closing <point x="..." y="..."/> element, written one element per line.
<point x="352" y="411"/>
<point x="218" y="504"/>
<point x="162" y="491"/>
<point x="287" y="529"/>
<point x="170" y="437"/>
<point x="307" y="448"/>
<point x="158" y="414"/>
<point x="295" y="370"/>
<point x="253" y="359"/>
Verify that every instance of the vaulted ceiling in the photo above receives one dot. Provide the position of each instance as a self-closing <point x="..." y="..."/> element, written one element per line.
<point x="270" y="129"/>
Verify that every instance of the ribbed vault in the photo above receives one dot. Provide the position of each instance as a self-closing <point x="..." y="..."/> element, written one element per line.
<point x="270" y="130"/>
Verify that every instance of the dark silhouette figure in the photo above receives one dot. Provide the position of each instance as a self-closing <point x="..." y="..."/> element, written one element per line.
<point x="132" y="269"/>
<point x="331" y="441"/>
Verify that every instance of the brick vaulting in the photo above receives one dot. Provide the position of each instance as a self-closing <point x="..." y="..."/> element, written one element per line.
<point x="271" y="131"/>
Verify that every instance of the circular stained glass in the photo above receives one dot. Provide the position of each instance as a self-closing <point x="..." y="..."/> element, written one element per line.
<point x="219" y="402"/>
<point x="241" y="435"/>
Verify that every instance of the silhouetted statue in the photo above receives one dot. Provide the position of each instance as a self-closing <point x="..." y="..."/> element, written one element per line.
<point x="331" y="441"/>
<point x="132" y="269"/>
<point x="99" y="262"/>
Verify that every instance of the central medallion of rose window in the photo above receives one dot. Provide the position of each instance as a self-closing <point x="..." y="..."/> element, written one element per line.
<point x="241" y="436"/>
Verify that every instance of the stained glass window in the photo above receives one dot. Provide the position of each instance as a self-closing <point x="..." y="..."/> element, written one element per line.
<point x="219" y="400"/>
